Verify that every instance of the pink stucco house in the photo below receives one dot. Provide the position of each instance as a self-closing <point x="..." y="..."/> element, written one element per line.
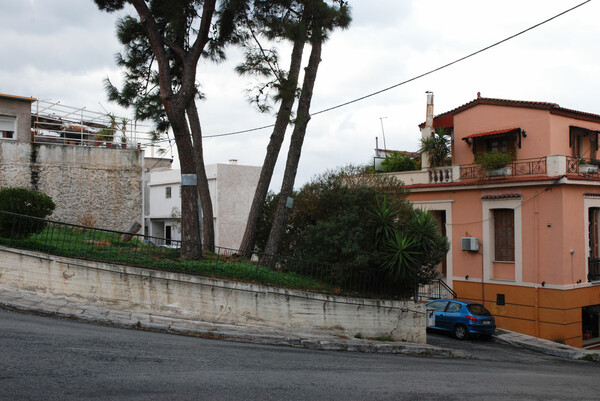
<point x="525" y="238"/>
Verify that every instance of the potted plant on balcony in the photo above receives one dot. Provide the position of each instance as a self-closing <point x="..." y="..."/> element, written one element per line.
<point x="107" y="134"/>
<point x="588" y="166"/>
<point x="124" y="122"/>
<point x="495" y="164"/>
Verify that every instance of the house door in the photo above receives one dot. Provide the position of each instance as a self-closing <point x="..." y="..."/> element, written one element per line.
<point x="590" y="324"/>
<point x="168" y="235"/>
<point x="594" y="244"/>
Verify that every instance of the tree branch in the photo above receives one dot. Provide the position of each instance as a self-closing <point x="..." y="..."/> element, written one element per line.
<point x="275" y="70"/>
<point x="202" y="39"/>
<point x="156" y="41"/>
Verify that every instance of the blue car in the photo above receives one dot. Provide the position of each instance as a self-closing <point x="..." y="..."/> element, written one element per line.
<point x="461" y="318"/>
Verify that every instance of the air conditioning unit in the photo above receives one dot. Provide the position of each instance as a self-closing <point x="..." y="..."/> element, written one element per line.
<point x="470" y="244"/>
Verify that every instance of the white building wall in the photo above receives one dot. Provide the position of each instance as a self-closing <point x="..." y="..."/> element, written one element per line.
<point x="231" y="189"/>
<point x="235" y="190"/>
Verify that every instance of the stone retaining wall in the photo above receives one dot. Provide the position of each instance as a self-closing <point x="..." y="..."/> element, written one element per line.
<point x="104" y="184"/>
<point x="204" y="299"/>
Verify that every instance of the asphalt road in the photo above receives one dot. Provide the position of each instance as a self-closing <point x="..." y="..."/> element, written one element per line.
<point x="57" y="359"/>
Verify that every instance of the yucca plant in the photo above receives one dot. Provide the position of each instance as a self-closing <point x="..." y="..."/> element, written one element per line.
<point x="437" y="148"/>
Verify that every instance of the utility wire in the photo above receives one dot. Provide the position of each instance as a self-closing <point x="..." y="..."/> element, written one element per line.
<point x="414" y="78"/>
<point x="519" y="206"/>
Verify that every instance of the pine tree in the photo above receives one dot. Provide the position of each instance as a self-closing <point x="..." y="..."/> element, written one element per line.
<point x="162" y="47"/>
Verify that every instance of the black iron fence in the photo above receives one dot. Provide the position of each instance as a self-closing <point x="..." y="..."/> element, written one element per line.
<point x="436" y="290"/>
<point x="57" y="238"/>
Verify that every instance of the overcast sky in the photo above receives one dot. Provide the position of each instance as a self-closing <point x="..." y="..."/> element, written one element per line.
<point x="64" y="49"/>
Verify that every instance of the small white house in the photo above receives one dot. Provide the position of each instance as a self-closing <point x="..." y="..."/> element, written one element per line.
<point x="231" y="188"/>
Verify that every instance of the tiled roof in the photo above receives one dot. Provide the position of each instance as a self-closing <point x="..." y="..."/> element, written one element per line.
<point x="553" y="108"/>
<point x="491" y="133"/>
<point x="13" y="97"/>
<point x="501" y="196"/>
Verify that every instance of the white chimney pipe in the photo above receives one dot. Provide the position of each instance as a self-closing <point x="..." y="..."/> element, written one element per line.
<point x="429" y="115"/>
<point x="427" y="130"/>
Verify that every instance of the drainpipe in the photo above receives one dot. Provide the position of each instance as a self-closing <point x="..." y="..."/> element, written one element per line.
<point x="427" y="130"/>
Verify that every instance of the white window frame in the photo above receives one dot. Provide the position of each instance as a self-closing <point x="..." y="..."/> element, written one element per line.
<point x="488" y="248"/>
<point x="6" y="119"/>
<point x="588" y="203"/>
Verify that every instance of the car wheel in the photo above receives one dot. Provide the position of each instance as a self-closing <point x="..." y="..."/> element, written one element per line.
<point x="460" y="331"/>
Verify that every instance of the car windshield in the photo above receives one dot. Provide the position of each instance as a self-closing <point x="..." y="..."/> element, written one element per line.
<point x="478" y="309"/>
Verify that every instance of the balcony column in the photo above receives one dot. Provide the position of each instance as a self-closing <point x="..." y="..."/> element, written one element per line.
<point x="556" y="165"/>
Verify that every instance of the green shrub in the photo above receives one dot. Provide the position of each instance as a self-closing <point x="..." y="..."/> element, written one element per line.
<point x="494" y="160"/>
<point x="24" y="202"/>
<point x="398" y="161"/>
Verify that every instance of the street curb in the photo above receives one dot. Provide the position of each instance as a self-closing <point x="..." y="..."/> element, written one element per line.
<point x="549" y="347"/>
<point x="231" y="333"/>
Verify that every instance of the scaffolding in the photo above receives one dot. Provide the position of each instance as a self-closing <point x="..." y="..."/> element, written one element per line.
<point x="56" y="123"/>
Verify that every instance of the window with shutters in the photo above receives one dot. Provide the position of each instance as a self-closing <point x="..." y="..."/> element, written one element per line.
<point x="496" y="143"/>
<point x="593" y="232"/>
<point x="583" y="142"/>
<point x="593" y="237"/>
<point x="8" y="127"/>
<point x="504" y="235"/>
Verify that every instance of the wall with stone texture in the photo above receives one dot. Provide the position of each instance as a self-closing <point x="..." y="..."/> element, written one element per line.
<point x="130" y="289"/>
<point x="82" y="180"/>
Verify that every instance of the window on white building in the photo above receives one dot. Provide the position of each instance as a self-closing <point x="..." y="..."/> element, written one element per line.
<point x="167" y="192"/>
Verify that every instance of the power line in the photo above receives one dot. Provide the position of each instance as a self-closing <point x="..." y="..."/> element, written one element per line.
<point x="413" y="78"/>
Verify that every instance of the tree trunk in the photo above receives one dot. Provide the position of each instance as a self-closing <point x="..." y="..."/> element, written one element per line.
<point x="281" y="123"/>
<point x="203" y="191"/>
<point x="289" y="177"/>
<point x="190" y="233"/>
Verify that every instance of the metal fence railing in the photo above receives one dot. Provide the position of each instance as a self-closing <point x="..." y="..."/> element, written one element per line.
<point x="436" y="290"/>
<point x="88" y="243"/>
<point x="518" y="168"/>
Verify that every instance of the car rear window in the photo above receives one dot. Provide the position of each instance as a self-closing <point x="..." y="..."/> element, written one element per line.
<point x="478" y="309"/>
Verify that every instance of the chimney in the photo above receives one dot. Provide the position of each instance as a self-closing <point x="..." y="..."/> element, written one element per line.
<point x="429" y="115"/>
<point x="427" y="131"/>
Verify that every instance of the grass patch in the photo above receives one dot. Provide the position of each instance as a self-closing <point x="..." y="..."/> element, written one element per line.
<point x="587" y="357"/>
<point x="106" y="247"/>
<point x="384" y="338"/>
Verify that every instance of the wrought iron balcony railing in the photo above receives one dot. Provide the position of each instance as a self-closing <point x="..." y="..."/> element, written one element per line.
<point x="524" y="167"/>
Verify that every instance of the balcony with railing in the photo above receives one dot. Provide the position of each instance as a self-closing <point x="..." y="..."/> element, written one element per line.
<point x="58" y="124"/>
<point x="548" y="166"/>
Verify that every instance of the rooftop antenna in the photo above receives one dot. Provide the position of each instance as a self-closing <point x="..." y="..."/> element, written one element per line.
<point x="383" y="133"/>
